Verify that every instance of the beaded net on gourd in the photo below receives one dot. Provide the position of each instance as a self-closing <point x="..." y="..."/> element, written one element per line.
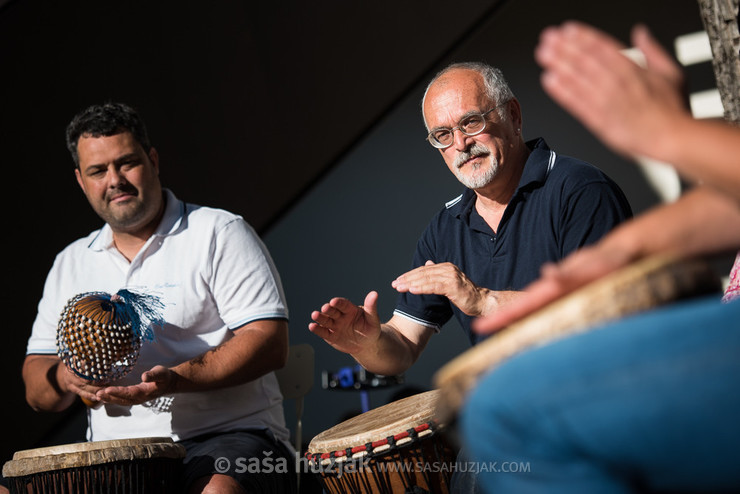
<point x="99" y="335"/>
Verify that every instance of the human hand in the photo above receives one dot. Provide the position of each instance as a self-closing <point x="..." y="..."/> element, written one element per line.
<point x="630" y="108"/>
<point x="156" y="382"/>
<point x="556" y="280"/>
<point x="69" y="381"/>
<point x="347" y="327"/>
<point x="447" y="280"/>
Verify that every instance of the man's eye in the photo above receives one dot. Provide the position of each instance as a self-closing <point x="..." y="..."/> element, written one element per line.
<point x="471" y="122"/>
<point x="129" y="164"/>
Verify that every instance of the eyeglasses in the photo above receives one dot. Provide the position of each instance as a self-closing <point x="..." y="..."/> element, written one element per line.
<point x="471" y="125"/>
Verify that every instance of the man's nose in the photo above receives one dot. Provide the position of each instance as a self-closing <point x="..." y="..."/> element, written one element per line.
<point x="115" y="177"/>
<point x="460" y="140"/>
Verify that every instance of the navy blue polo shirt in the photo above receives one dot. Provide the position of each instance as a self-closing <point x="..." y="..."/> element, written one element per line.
<point x="560" y="204"/>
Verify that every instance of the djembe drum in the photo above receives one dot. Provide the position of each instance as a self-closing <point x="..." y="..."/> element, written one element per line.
<point x="396" y="448"/>
<point x="99" y="335"/>
<point x="644" y="285"/>
<point x="133" y="466"/>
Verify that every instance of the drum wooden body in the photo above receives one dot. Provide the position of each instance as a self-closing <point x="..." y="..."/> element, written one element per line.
<point x="645" y="285"/>
<point x="395" y="448"/>
<point x="135" y="466"/>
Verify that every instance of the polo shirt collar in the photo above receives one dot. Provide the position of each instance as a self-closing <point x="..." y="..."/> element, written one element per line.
<point x="172" y="220"/>
<point x="538" y="163"/>
<point x="535" y="171"/>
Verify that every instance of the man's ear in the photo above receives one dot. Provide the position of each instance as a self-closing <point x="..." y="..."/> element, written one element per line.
<point x="515" y="113"/>
<point x="154" y="158"/>
<point x="78" y="175"/>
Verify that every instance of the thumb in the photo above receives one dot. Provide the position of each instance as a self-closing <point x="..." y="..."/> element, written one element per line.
<point x="156" y="373"/>
<point x="371" y="303"/>
<point x="429" y="263"/>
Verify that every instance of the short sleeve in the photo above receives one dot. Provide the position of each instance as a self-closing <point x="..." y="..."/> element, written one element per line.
<point x="245" y="282"/>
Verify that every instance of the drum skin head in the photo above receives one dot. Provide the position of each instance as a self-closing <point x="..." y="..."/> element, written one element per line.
<point x="377" y="424"/>
<point x="52" y="458"/>
<point x="644" y="285"/>
<point x="393" y="449"/>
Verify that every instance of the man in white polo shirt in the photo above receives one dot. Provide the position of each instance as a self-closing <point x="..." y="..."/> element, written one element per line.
<point x="207" y="379"/>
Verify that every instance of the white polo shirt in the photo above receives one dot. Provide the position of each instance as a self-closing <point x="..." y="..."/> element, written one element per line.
<point x="213" y="274"/>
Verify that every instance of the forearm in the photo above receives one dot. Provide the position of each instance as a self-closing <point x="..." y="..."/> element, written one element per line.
<point x="252" y="352"/>
<point x="44" y="387"/>
<point x="493" y="300"/>
<point x="703" y="221"/>
<point x="394" y="352"/>
<point x="704" y="151"/>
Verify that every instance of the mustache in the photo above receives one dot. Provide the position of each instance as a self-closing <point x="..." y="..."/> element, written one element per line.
<point x="111" y="193"/>
<point x="475" y="151"/>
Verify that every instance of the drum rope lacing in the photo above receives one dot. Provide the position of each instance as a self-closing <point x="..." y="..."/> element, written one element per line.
<point x="380" y="446"/>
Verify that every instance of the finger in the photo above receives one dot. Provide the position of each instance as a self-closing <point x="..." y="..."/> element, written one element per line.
<point x="656" y="57"/>
<point x="329" y="311"/>
<point x="320" y="331"/>
<point x="371" y="303"/>
<point x="428" y="287"/>
<point x="322" y="319"/>
<point x="401" y="282"/>
<point x="113" y="398"/>
<point x="343" y="305"/>
<point x="156" y="374"/>
<point x="113" y="391"/>
<point x="127" y="395"/>
<point x="420" y="270"/>
<point x="417" y="284"/>
<point x="423" y="274"/>
<point x="580" y="57"/>
<point x="90" y="397"/>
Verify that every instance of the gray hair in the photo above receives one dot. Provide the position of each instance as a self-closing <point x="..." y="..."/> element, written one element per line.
<point x="493" y="79"/>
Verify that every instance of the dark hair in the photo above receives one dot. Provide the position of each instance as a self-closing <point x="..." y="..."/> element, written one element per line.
<point x="105" y="120"/>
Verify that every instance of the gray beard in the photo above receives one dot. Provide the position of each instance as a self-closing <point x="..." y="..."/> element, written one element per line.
<point x="475" y="180"/>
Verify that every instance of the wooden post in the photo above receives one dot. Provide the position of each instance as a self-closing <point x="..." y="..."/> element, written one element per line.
<point x="720" y="18"/>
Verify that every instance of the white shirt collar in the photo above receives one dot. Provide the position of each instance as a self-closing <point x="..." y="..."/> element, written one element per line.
<point x="172" y="220"/>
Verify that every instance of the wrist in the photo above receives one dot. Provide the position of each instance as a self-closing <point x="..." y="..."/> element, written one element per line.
<point x="60" y="381"/>
<point x="662" y="144"/>
<point x="488" y="302"/>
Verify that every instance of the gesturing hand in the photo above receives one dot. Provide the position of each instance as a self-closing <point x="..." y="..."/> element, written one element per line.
<point x="347" y="327"/>
<point x="619" y="101"/>
<point x="444" y="279"/>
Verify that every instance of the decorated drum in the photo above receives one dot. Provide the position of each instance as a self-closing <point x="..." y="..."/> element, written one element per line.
<point x="644" y="285"/>
<point x="396" y="448"/>
<point x="136" y="466"/>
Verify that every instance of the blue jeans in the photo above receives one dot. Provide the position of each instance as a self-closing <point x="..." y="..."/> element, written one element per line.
<point x="651" y="402"/>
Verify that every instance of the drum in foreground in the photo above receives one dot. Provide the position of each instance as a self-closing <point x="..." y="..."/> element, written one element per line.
<point x="396" y="448"/>
<point x="647" y="284"/>
<point x="135" y="466"/>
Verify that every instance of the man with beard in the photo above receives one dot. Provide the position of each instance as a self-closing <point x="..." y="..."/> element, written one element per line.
<point x="207" y="379"/>
<point x="524" y="206"/>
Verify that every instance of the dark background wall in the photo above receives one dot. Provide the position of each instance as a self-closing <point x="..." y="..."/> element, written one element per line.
<point x="301" y="116"/>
